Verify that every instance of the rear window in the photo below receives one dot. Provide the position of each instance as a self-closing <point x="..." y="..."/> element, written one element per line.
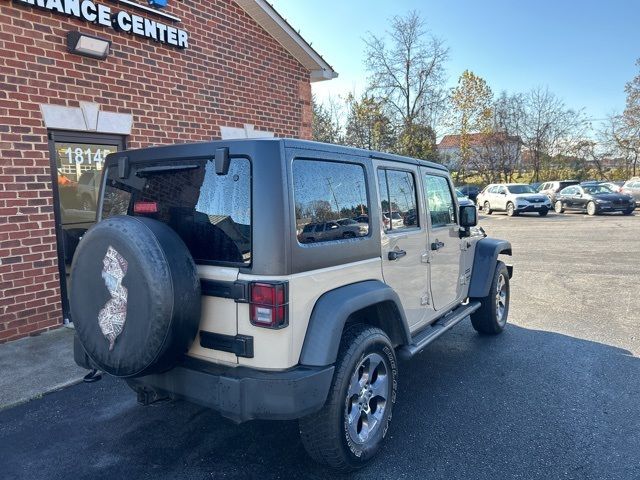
<point x="210" y="212"/>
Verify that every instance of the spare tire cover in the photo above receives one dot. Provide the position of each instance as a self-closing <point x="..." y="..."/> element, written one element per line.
<point x="135" y="296"/>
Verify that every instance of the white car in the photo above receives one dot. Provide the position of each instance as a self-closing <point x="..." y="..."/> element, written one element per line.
<point x="513" y="198"/>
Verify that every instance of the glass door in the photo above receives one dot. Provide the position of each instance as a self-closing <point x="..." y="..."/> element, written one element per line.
<point x="76" y="168"/>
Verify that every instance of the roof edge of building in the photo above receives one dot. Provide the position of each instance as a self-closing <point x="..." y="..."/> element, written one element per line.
<point x="273" y="23"/>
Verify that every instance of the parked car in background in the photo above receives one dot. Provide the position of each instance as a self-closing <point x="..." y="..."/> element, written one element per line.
<point x="551" y="189"/>
<point x="513" y="198"/>
<point x="593" y="198"/>
<point x="325" y="231"/>
<point x="613" y="186"/>
<point x="364" y="218"/>
<point x="470" y="191"/>
<point x="535" y="185"/>
<point x="463" y="199"/>
<point x="396" y="220"/>
<point x="632" y="187"/>
<point x="88" y="188"/>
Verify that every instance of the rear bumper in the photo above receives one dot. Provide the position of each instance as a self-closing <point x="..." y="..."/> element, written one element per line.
<point x="238" y="393"/>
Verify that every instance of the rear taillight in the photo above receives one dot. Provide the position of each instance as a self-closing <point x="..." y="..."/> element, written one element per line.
<point x="145" y="207"/>
<point x="269" y="304"/>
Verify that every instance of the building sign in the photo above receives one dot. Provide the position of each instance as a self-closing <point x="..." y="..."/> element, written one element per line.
<point x="120" y="20"/>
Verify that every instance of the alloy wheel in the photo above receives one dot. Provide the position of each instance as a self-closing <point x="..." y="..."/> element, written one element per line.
<point x="367" y="396"/>
<point x="501" y="300"/>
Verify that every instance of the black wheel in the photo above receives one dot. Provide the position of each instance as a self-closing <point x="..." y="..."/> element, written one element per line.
<point x="487" y="208"/>
<point x="543" y="212"/>
<point x="351" y="427"/>
<point x="592" y="208"/>
<point x="491" y="317"/>
<point x="511" y="209"/>
<point x="558" y="207"/>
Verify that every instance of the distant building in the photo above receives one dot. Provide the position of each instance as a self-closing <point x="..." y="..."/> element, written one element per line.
<point x="487" y="150"/>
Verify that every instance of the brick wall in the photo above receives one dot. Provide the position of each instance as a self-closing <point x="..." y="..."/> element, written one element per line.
<point x="232" y="73"/>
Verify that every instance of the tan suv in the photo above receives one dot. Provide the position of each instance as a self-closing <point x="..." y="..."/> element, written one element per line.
<point x="195" y="283"/>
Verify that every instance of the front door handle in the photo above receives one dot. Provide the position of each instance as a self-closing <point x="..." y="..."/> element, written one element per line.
<point x="437" y="245"/>
<point x="396" y="254"/>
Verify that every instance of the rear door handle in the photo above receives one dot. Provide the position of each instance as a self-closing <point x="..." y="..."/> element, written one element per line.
<point x="396" y="254"/>
<point x="437" y="245"/>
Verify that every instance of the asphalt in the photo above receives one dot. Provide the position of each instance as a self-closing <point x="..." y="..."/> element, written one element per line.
<point x="555" y="396"/>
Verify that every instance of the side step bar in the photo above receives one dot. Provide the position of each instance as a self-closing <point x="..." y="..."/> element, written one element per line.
<point x="433" y="331"/>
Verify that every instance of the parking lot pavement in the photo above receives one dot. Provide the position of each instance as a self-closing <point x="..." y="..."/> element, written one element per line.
<point x="555" y="396"/>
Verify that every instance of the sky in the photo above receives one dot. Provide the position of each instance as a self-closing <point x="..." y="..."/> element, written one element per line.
<point x="583" y="51"/>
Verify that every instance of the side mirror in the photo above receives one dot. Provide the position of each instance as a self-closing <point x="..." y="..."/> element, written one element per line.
<point x="468" y="219"/>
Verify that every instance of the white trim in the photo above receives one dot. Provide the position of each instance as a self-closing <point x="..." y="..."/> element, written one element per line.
<point x="129" y="3"/>
<point x="269" y="19"/>
<point x="86" y="118"/>
<point x="248" y="131"/>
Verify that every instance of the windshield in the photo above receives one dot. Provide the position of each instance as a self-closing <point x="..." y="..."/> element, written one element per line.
<point x="347" y="221"/>
<point x="597" y="189"/>
<point x="520" y="189"/>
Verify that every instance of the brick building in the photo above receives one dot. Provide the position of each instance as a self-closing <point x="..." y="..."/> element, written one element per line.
<point x="82" y="78"/>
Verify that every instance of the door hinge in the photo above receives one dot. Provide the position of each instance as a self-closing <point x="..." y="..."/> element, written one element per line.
<point x="425" y="300"/>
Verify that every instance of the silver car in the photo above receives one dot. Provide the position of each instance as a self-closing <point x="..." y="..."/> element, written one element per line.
<point x="513" y="198"/>
<point x="334" y="230"/>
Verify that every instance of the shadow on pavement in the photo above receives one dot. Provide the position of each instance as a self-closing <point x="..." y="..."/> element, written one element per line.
<point x="526" y="404"/>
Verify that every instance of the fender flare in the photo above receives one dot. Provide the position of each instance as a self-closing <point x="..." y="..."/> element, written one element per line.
<point x="484" y="265"/>
<point x="332" y="310"/>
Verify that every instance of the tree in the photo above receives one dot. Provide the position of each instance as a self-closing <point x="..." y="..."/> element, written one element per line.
<point x="368" y="126"/>
<point x="470" y="112"/>
<point x="625" y="129"/>
<point x="499" y="152"/>
<point x="325" y="124"/>
<point x="407" y="73"/>
<point x="549" y="128"/>
<point x="418" y="141"/>
<point x="632" y="109"/>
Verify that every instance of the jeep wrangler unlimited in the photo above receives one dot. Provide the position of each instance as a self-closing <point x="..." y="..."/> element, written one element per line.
<point x="280" y="279"/>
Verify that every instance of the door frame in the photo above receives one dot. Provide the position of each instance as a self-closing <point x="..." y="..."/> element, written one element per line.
<point x="54" y="136"/>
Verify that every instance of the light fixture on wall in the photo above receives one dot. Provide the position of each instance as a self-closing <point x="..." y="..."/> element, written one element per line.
<point x="87" y="45"/>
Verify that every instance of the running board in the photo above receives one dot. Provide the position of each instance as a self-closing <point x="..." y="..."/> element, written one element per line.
<point x="433" y="331"/>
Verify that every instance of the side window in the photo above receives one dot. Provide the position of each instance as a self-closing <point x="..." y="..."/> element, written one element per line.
<point x="325" y="192"/>
<point x="397" y="200"/>
<point x="439" y="201"/>
<point x="493" y="189"/>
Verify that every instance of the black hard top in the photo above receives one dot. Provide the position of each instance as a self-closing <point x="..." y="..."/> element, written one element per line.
<point x="207" y="149"/>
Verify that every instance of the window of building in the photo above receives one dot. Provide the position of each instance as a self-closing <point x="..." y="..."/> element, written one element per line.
<point x="398" y="200"/>
<point x="76" y="170"/>
<point x="327" y="195"/>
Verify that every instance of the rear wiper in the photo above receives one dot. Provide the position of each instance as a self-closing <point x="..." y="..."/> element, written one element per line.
<point x="164" y="169"/>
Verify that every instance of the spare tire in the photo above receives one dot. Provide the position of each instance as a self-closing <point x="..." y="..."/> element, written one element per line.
<point x="135" y="296"/>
